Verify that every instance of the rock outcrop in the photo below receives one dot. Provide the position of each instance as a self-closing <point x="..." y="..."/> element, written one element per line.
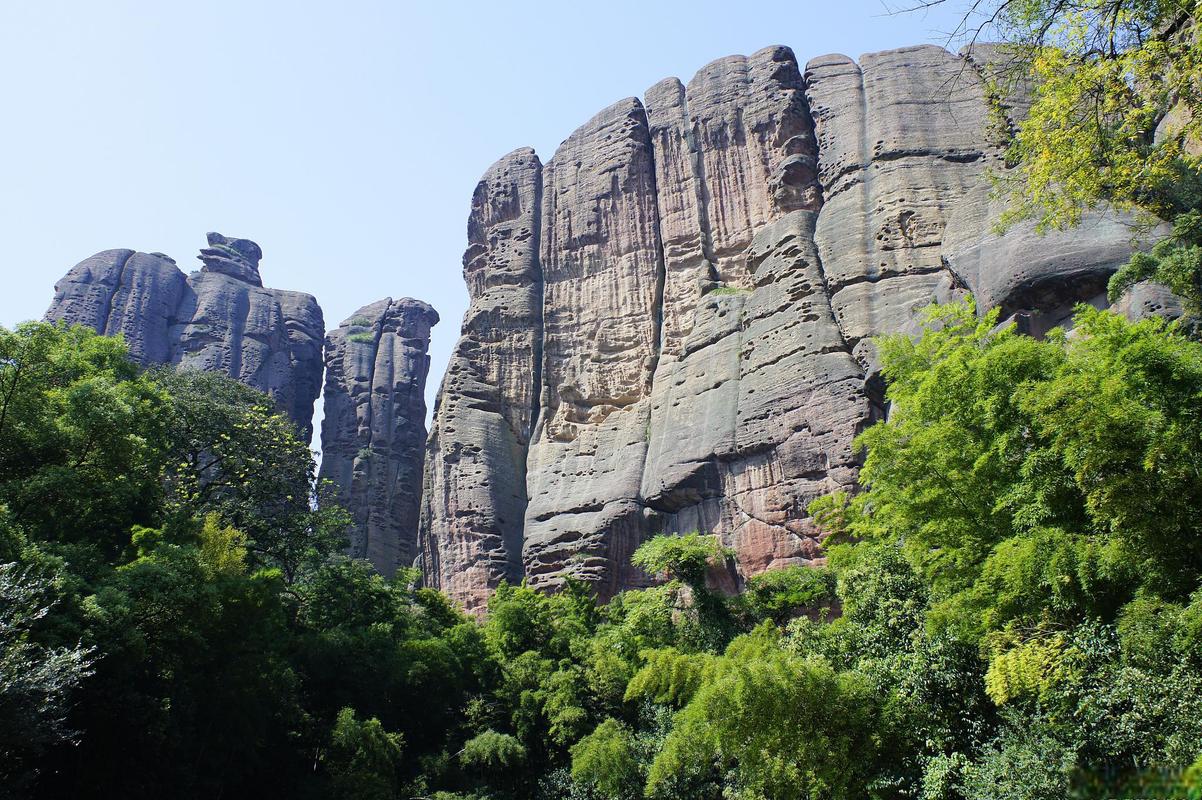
<point x="602" y="264"/>
<point x="219" y="318"/>
<point x="374" y="431"/>
<point x="671" y="322"/>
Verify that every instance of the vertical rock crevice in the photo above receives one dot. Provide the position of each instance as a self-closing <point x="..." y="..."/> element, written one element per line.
<point x="106" y="316"/>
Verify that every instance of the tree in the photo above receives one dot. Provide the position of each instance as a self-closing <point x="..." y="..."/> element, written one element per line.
<point x="606" y="759"/>
<point x="1033" y="502"/>
<point x="36" y="682"/>
<point x="81" y="440"/>
<point x="687" y="557"/>
<point x="1114" y="111"/>
<point x="1115" y="118"/>
<point x="782" y="726"/>
<point x="363" y="759"/>
<point x="231" y="453"/>
<point x="1175" y="261"/>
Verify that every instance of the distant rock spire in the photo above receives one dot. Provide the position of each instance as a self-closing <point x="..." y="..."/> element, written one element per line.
<point x="373" y="435"/>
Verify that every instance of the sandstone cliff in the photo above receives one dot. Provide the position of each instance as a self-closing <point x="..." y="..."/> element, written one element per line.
<point x="474" y="495"/>
<point x="219" y="318"/>
<point x="670" y="321"/>
<point x="374" y="431"/>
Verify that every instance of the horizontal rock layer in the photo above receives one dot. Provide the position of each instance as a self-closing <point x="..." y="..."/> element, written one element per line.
<point x="671" y="321"/>
<point x="218" y="319"/>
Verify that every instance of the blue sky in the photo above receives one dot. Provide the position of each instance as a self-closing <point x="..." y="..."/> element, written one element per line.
<point x="345" y="138"/>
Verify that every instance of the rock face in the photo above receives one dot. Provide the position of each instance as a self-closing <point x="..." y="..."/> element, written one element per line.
<point x="602" y="262"/>
<point x="220" y="318"/>
<point x="374" y="431"/>
<point x="670" y="322"/>
<point x="474" y="496"/>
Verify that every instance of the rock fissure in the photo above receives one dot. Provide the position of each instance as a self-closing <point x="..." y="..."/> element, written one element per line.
<point x="107" y="314"/>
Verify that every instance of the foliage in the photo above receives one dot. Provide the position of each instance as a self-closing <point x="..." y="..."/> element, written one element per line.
<point x="1175" y="261"/>
<point x="1011" y="605"/>
<point x="606" y="759"/>
<point x="783" y="593"/>
<point x="1113" y="116"/>
<point x="686" y="557"/>
<point x="1042" y="493"/>
<point x="36" y="682"/>
<point x="233" y="454"/>
<point x="363" y="758"/>
<point x="1114" y="89"/>
<point x="74" y="414"/>
<point x="492" y="751"/>
<point x="780" y="726"/>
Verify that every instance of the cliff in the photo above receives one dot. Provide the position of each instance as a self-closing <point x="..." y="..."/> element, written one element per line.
<point x="474" y="493"/>
<point x="670" y="321"/>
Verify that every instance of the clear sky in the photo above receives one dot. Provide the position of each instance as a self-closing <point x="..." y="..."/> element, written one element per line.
<point x="346" y="138"/>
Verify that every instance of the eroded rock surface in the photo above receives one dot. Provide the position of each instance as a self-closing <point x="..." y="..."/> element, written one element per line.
<point x="677" y="337"/>
<point x="474" y="497"/>
<point x="602" y="265"/>
<point x="219" y="318"/>
<point x="374" y="430"/>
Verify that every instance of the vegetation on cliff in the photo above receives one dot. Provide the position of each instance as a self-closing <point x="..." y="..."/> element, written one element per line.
<point x="1115" y="117"/>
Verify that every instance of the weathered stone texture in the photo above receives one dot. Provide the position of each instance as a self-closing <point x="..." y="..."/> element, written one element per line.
<point x="711" y="269"/>
<point x="219" y="318"/>
<point x="374" y="431"/>
<point x="901" y="143"/>
<point x="717" y="459"/>
<point x="474" y="497"/>
<point x="120" y="292"/>
<point x="602" y="267"/>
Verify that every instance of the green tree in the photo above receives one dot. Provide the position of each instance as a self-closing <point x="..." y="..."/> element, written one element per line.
<point x="687" y="557"/>
<point x="363" y="759"/>
<point x="1114" y="113"/>
<point x="36" y="682"/>
<point x="232" y="453"/>
<point x="781" y="726"/>
<point x="606" y="759"/>
<point x="1115" y="118"/>
<point x="81" y="440"/>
